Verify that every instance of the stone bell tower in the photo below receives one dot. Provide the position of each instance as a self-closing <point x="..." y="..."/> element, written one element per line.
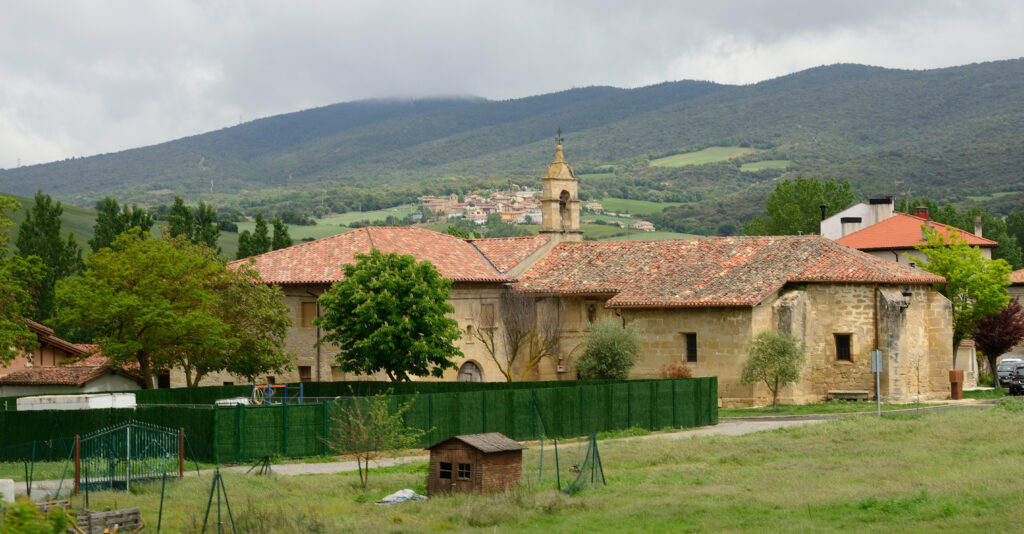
<point x="560" y="202"/>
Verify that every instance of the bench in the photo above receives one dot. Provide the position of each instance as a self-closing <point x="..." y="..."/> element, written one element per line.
<point x="849" y="394"/>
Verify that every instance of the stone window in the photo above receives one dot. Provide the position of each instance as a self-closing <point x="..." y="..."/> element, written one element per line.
<point x="308" y="314"/>
<point x="486" y="315"/>
<point x="464" y="471"/>
<point x="591" y="311"/>
<point x="445" y="471"/>
<point x="843" y="347"/>
<point x="228" y="383"/>
<point x="271" y="379"/>
<point x="691" y="347"/>
<point x="305" y="373"/>
<point x="163" y="380"/>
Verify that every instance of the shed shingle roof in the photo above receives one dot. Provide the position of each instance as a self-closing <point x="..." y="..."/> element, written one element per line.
<point x="320" y="261"/>
<point x="507" y="252"/>
<point x="488" y="443"/>
<point x="904" y="231"/>
<point x="728" y="271"/>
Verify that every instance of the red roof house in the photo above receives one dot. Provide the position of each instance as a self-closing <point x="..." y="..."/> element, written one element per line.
<point x="896" y="237"/>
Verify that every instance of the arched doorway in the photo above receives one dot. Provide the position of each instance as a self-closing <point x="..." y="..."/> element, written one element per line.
<point x="470" y="372"/>
<point x="563" y="209"/>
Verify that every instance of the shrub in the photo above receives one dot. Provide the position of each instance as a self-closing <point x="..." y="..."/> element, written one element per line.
<point x="610" y="350"/>
<point x="676" y="370"/>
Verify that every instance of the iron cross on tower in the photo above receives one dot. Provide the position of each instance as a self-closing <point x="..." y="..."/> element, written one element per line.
<point x="558" y="137"/>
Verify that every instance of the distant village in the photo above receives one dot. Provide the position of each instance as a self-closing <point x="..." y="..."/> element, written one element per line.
<point x="515" y="207"/>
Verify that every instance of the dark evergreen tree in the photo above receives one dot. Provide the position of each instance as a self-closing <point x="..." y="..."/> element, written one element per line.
<point x="40" y="235"/>
<point x="112" y="221"/>
<point x="281" y="238"/>
<point x="179" y="219"/>
<point x="260" y="241"/>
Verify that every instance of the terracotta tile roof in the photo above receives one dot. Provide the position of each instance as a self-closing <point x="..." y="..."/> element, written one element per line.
<point x="724" y="271"/>
<point x="904" y="231"/>
<point x="320" y="261"/>
<point x="507" y="252"/>
<point x="46" y="337"/>
<point x="58" y="375"/>
<point x="1017" y="277"/>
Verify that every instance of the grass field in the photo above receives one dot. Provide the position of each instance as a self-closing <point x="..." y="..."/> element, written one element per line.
<point x="816" y="408"/>
<point x="635" y="207"/>
<point x="950" y="471"/>
<point x="768" y="164"/>
<point x="708" y="155"/>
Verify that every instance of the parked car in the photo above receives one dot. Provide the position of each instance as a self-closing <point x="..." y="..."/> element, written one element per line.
<point x="1005" y="369"/>
<point x="1017" y="381"/>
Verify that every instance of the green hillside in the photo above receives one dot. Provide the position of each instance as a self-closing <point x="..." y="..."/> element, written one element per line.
<point x="950" y="134"/>
<point x="78" y="221"/>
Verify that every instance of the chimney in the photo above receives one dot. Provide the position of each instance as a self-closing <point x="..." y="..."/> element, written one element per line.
<point x="881" y="209"/>
<point x="922" y="212"/>
<point x="850" y="225"/>
<point x="977" y="225"/>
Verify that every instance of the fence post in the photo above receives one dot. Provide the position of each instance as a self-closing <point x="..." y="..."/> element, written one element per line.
<point x="325" y="427"/>
<point x="241" y="434"/>
<point x="483" y="411"/>
<point x="579" y="388"/>
<point x="430" y="417"/>
<point x="284" y="429"/>
<point x="216" y="434"/>
<point x="675" y="424"/>
<point x="78" y="463"/>
<point x="629" y="407"/>
<point x="181" y="453"/>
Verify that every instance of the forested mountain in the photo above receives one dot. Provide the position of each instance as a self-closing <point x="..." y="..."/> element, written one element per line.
<point x="949" y="134"/>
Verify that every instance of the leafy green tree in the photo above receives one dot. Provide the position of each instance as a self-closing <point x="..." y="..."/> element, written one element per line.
<point x="774" y="358"/>
<point x="795" y="207"/>
<point x="164" y="303"/>
<point x="609" y="350"/>
<point x="975" y="285"/>
<point x="244" y="245"/>
<point x="197" y="225"/>
<point x="999" y="333"/>
<point x="17" y="276"/>
<point x="112" y="221"/>
<point x="39" y="235"/>
<point x="390" y="313"/>
<point x="367" y="427"/>
<point x="281" y="238"/>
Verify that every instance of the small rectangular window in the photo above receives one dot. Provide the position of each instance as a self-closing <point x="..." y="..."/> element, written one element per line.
<point x="843" y="347"/>
<point x="163" y="380"/>
<point x="308" y="314"/>
<point x="464" y="471"/>
<point x="445" y="471"/>
<point x="229" y="383"/>
<point x="305" y="373"/>
<point x="691" y="347"/>
<point x="271" y="380"/>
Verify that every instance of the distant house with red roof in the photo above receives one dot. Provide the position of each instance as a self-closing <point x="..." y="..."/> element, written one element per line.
<point x="696" y="301"/>
<point x="895" y="238"/>
<point x="58" y="366"/>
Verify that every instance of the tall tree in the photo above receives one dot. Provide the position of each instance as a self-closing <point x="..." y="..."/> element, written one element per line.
<point x="774" y="358"/>
<point x="40" y="235"/>
<point x="205" y="226"/>
<point x="260" y="241"/>
<point x="999" y="333"/>
<point x="17" y="276"/>
<point x="975" y="285"/>
<point x="281" y="238"/>
<point x="525" y="332"/>
<point x="389" y="313"/>
<point x="795" y="207"/>
<point x="163" y="303"/>
<point x="112" y="221"/>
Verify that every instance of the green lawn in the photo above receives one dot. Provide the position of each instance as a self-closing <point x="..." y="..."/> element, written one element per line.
<point x="708" y="155"/>
<point x="635" y="207"/>
<point x="816" y="408"/>
<point x="949" y="471"/>
<point x="768" y="164"/>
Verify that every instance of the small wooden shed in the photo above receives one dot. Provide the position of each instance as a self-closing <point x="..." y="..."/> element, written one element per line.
<point x="475" y="463"/>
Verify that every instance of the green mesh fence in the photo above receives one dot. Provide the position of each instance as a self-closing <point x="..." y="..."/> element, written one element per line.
<point x="236" y="434"/>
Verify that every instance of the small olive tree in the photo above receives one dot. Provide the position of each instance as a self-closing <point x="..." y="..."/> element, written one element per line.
<point x="775" y="358"/>
<point x="609" y="350"/>
<point x="366" y="427"/>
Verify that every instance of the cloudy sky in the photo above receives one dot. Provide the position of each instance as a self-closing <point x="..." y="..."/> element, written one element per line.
<point x="84" y="77"/>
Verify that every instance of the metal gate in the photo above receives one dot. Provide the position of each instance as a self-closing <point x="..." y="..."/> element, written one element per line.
<point x="117" y="457"/>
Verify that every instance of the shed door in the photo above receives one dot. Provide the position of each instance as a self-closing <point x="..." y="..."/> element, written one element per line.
<point x="455" y="472"/>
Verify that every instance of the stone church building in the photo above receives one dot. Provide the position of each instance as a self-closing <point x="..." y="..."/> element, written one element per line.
<point x="696" y="301"/>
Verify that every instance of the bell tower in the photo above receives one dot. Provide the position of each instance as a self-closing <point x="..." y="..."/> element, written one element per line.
<point x="560" y="202"/>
